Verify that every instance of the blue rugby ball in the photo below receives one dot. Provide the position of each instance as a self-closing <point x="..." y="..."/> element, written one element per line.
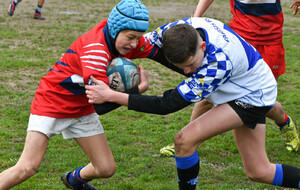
<point x="123" y="74"/>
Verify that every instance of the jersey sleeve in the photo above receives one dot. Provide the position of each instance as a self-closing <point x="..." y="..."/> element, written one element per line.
<point x="170" y="102"/>
<point x="94" y="60"/>
<point x="216" y="70"/>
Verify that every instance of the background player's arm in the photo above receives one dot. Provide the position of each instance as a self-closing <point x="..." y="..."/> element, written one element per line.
<point x="296" y="5"/>
<point x="202" y="7"/>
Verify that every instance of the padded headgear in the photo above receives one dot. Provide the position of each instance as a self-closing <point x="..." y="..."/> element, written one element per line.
<point x="128" y="15"/>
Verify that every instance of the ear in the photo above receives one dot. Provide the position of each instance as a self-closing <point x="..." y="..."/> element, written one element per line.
<point x="202" y="45"/>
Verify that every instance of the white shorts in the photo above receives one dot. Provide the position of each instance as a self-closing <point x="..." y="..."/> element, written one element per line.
<point x="85" y="126"/>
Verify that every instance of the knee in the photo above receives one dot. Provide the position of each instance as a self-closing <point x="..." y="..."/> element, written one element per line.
<point x="179" y="140"/>
<point x="182" y="144"/>
<point x="105" y="170"/>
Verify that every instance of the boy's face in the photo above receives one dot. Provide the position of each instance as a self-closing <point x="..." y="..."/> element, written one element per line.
<point x="127" y="40"/>
<point x="193" y="62"/>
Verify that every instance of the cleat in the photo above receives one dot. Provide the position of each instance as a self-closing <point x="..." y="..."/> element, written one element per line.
<point x="290" y="135"/>
<point x="11" y="8"/>
<point x="168" y="151"/>
<point x="38" y="16"/>
<point x="85" y="186"/>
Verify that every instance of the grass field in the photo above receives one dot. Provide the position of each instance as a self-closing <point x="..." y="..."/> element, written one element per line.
<point x="28" y="49"/>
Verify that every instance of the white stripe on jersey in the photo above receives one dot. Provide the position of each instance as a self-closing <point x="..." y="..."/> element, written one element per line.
<point x="97" y="51"/>
<point x="94" y="44"/>
<point x="94" y="57"/>
<point x="97" y="69"/>
<point x="95" y="63"/>
<point x="256" y="1"/>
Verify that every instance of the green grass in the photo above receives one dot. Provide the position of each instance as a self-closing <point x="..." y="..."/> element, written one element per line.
<point x="28" y="48"/>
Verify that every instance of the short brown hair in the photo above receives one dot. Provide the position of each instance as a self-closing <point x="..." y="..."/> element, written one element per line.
<point x="180" y="42"/>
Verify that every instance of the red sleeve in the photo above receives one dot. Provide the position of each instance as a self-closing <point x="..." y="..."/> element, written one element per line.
<point x="143" y="50"/>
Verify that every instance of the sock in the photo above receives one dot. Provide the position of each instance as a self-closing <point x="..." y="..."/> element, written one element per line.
<point x="286" y="122"/>
<point x="287" y="176"/>
<point x="278" y="175"/>
<point x="75" y="180"/>
<point x="38" y="9"/>
<point x="16" y="2"/>
<point x="187" y="171"/>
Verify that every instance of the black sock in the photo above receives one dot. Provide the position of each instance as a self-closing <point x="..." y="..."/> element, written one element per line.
<point x="38" y="9"/>
<point x="187" y="178"/>
<point x="291" y="176"/>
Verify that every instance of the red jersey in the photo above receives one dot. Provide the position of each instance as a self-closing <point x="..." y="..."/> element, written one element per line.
<point x="61" y="93"/>
<point x="259" y="22"/>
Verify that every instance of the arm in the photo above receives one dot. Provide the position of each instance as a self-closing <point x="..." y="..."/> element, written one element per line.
<point x="170" y="102"/>
<point x="109" y="106"/>
<point x="296" y="5"/>
<point x="202" y="6"/>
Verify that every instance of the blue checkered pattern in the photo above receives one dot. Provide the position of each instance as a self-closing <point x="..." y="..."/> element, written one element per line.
<point x="155" y="37"/>
<point x="215" y="71"/>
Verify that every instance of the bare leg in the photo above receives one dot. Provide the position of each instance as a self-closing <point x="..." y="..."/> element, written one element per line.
<point x="251" y="145"/>
<point x="277" y="113"/>
<point x="200" y="108"/>
<point x="41" y="2"/>
<point x="216" y="121"/>
<point x="102" y="161"/>
<point x="30" y="160"/>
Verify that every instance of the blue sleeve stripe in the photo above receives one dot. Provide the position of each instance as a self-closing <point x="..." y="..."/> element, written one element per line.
<point x="62" y="63"/>
<point x="153" y="52"/>
<point x="55" y="70"/>
<point x="187" y="162"/>
<point x="70" y="51"/>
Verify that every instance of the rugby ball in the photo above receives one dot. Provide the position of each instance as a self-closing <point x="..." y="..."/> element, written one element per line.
<point x="123" y="74"/>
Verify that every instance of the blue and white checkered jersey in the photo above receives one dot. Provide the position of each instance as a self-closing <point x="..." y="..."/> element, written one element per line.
<point x="231" y="68"/>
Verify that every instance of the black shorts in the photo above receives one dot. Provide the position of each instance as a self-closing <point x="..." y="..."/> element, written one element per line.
<point x="250" y="115"/>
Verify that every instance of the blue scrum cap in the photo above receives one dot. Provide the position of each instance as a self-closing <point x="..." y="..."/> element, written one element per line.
<point x="128" y="15"/>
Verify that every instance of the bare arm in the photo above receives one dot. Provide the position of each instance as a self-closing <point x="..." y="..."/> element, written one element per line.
<point x="101" y="93"/>
<point x="202" y="6"/>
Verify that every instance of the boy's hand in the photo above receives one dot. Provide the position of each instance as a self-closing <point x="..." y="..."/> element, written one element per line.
<point x="144" y="81"/>
<point x="99" y="93"/>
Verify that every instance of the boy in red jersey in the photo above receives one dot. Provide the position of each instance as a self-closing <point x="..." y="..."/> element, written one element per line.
<point x="61" y="106"/>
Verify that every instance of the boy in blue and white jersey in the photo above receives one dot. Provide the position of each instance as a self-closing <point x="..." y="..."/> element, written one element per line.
<point x="229" y="73"/>
<point x="226" y="56"/>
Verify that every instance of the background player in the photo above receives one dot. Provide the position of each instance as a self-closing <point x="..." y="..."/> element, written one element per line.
<point x="37" y="13"/>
